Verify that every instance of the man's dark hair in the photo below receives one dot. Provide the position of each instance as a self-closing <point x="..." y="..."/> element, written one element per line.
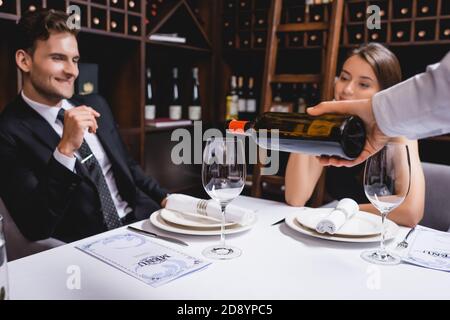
<point x="38" y="25"/>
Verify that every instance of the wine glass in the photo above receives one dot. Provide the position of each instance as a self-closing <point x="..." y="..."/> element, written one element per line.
<point x="387" y="178"/>
<point x="223" y="178"/>
<point x="3" y="265"/>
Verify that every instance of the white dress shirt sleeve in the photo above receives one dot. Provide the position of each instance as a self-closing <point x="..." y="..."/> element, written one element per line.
<point x="68" y="162"/>
<point x="418" y="107"/>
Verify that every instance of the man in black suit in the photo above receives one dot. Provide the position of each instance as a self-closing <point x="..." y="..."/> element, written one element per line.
<point x="65" y="172"/>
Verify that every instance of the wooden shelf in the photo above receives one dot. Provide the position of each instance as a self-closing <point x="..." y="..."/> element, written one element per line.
<point x="153" y="129"/>
<point x="110" y="34"/>
<point x="178" y="46"/>
<point x="297" y="27"/>
<point x="296" y="78"/>
<point x="8" y="16"/>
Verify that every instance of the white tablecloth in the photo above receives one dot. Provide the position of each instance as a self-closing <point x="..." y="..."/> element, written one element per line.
<point x="277" y="263"/>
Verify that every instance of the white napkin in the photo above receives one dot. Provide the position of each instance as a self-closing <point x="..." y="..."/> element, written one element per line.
<point x="345" y="210"/>
<point x="187" y="204"/>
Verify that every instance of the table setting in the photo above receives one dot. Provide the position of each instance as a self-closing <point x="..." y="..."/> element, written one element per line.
<point x="185" y="241"/>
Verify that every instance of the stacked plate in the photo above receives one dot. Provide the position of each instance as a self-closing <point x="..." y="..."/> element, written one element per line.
<point x="363" y="227"/>
<point x="194" y="224"/>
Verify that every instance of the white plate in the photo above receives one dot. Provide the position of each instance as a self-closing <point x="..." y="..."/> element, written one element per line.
<point x="191" y="220"/>
<point x="391" y="232"/>
<point x="159" y="222"/>
<point x="362" y="224"/>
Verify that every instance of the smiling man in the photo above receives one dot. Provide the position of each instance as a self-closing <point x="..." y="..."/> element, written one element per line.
<point x="65" y="172"/>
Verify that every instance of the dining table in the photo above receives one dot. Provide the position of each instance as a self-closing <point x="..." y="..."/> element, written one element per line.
<point x="277" y="263"/>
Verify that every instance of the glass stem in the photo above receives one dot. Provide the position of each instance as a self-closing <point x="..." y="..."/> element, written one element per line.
<point x="383" y="232"/>
<point x="222" y="226"/>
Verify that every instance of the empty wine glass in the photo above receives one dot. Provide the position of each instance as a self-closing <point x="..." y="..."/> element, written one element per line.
<point x="223" y="177"/>
<point x="387" y="177"/>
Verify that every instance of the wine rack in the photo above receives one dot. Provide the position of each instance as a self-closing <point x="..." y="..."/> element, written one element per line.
<point x="8" y="7"/>
<point x="403" y="9"/>
<point x="400" y="32"/>
<point x="424" y="30"/>
<point x="117" y="4"/>
<point x="426" y="8"/>
<point x="117" y="22"/>
<point x="120" y="17"/>
<point x="98" y="19"/>
<point x="100" y="2"/>
<point x="445" y="29"/>
<point x="380" y="35"/>
<point x="260" y="38"/>
<point x="296" y="39"/>
<point x="260" y="20"/>
<point x="245" y="21"/>
<point x="134" y="6"/>
<point x="241" y="17"/>
<point x="31" y="5"/>
<point x="403" y="22"/>
<point x="83" y="18"/>
<point x="295" y="15"/>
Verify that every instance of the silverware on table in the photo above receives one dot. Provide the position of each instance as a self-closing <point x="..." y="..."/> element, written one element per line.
<point x="157" y="236"/>
<point x="404" y="244"/>
<point x="278" y="222"/>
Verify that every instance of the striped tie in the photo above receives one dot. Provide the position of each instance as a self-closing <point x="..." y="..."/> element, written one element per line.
<point x="110" y="215"/>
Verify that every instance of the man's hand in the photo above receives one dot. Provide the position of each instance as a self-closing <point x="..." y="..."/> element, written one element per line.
<point x="76" y="121"/>
<point x="163" y="202"/>
<point x="375" y="139"/>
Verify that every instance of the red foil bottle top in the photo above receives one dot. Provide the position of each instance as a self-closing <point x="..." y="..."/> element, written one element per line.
<point x="237" y="126"/>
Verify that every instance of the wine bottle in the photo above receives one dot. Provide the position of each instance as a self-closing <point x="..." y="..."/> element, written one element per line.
<point x="232" y="101"/>
<point x="298" y="99"/>
<point x="150" y="108"/>
<point x="251" y="99"/>
<point x="195" y="109"/>
<point x="241" y="96"/>
<point x="330" y="135"/>
<point x="175" y="109"/>
<point x="277" y="104"/>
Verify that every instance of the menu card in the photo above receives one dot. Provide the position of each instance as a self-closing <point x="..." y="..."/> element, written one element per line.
<point x="142" y="258"/>
<point x="429" y="248"/>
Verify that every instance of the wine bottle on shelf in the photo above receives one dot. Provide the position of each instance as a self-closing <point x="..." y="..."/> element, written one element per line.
<point x="251" y="97"/>
<point x="277" y="94"/>
<point x="298" y="99"/>
<point x="195" y="109"/>
<point x="331" y="135"/>
<point x="232" y="101"/>
<point x="175" y="109"/>
<point x="241" y="96"/>
<point x="277" y="101"/>
<point x="314" y="97"/>
<point x="150" y="107"/>
<point x="303" y="99"/>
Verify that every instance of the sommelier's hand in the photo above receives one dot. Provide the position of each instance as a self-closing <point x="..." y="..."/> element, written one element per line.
<point x="76" y="121"/>
<point x="375" y="139"/>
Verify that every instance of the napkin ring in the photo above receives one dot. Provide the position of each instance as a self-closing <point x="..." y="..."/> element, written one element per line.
<point x="201" y="207"/>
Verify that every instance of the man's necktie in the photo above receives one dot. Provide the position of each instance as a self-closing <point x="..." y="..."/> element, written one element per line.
<point x="110" y="215"/>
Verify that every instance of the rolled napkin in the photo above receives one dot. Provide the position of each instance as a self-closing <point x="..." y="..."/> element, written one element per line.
<point x="345" y="210"/>
<point x="209" y="208"/>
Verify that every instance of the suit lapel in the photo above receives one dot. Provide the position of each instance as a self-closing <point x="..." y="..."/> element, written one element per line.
<point x="44" y="132"/>
<point x="105" y="134"/>
<point x="37" y="124"/>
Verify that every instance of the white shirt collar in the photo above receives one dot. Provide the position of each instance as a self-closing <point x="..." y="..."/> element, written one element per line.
<point x="49" y="113"/>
